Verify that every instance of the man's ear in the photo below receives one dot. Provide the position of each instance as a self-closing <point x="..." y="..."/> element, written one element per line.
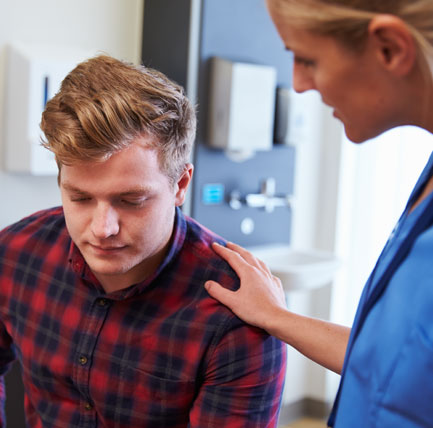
<point x="183" y="183"/>
<point x="394" y="44"/>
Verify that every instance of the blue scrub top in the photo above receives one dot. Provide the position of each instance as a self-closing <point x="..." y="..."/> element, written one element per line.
<point x="387" y="378"/>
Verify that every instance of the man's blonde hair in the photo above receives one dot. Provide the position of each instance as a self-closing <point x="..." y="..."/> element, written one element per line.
<point x="103" y="104"/>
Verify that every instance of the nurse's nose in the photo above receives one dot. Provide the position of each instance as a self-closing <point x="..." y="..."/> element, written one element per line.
<point x="302" y="78"/>
<point x="105" y="221"/>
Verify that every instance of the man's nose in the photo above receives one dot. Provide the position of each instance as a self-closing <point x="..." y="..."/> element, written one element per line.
<point x="105" y="221"/>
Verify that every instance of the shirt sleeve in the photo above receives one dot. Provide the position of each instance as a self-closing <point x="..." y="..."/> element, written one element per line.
<point x="243" y="381"/>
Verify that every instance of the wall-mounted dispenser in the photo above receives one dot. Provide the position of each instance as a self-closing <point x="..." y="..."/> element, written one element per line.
<point x="242" y="106"/>
<point x="34" y="74"/>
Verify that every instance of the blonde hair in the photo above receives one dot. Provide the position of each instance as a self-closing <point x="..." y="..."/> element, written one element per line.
<point x="104" y="104"/>
<point x="348" y="20"/>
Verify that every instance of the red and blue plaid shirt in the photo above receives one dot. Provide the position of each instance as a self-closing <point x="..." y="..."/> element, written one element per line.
<point x="161" y="353"/>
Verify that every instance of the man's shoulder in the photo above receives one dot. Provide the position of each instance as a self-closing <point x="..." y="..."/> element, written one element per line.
<point x="198" y="256"/>
<point x="41" y="225"/>
<point x="198" y="242"/>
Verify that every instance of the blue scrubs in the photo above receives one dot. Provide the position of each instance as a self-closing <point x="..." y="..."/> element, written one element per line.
<point x="387" y="378"/>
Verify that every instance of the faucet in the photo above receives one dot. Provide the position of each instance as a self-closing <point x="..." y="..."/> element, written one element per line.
<point x="265" y="199"/>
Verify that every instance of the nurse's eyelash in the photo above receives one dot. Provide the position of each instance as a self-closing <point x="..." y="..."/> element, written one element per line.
<point x="304" y="61"/>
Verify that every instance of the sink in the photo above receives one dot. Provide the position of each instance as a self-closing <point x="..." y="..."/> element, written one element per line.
<point x="298" y="270"/>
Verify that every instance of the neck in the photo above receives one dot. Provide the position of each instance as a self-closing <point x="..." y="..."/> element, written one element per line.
<point x="423" y="102"/>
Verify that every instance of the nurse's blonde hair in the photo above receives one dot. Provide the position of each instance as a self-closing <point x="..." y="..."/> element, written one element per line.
<point x="348" y="20"/>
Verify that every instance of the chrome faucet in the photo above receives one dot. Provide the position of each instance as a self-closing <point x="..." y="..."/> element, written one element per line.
<point x="265" y="199"/>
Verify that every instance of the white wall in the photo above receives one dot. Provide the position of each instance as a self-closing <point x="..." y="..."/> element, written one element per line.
<point x="110" y="26"/>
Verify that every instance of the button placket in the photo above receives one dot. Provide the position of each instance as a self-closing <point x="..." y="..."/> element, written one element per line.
<point x="91" y="328"/>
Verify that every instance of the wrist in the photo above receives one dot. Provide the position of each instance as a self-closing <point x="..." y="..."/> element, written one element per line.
<point x="276" y="325"/>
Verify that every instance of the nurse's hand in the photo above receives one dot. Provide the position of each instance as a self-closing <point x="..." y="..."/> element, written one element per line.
<point x="260" y="301"/>
<point x="260" y="294"/>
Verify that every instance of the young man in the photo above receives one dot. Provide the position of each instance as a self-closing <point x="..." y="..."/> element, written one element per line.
<point x="102" y="300"/>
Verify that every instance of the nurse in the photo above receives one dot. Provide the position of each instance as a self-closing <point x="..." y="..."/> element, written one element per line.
<point x="372" y="62"/>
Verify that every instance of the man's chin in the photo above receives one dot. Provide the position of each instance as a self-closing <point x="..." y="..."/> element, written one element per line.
<point x="107" y="268"/>
<point x="112" y="279"/>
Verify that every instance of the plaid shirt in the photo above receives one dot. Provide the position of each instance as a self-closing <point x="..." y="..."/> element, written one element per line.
<point x="160" y="353"/>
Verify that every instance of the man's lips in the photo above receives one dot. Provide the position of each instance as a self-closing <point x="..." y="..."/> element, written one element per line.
<point x="107" y="248"/>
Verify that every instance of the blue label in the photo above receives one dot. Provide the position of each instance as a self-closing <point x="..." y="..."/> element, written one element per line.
<point x="213" y="194"/>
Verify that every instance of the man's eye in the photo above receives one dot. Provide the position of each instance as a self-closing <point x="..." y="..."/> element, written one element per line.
<point x="80" y="199"/>
<point x="133" y="202"/>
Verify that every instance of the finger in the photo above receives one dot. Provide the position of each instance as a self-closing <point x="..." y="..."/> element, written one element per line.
<point x="219" y="293"/>
<point x="245" y="254"/>
<point x="235" y="260"/>
<point x="249" y="257"/>
<point x="265" y="267"/>
<point x="231" y="256"/>
<point x="278" y="283"/>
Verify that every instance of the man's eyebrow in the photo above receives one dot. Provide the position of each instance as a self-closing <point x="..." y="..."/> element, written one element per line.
<point x="71" y="188"/>
<point x="135" y="191"/>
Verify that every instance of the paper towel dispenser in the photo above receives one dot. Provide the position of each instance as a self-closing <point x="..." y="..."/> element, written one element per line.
<point x="241" y="107"/>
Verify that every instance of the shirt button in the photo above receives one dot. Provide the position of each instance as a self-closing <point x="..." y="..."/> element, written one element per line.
<point x="102" y="302"/>
<point x="88" y="406"/>
<point x="82" y="360"/>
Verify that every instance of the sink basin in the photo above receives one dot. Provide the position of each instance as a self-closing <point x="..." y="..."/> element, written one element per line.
<point x="298" y="270"/>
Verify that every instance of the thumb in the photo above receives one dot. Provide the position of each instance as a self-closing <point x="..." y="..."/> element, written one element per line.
<point x="219" y="293"/>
